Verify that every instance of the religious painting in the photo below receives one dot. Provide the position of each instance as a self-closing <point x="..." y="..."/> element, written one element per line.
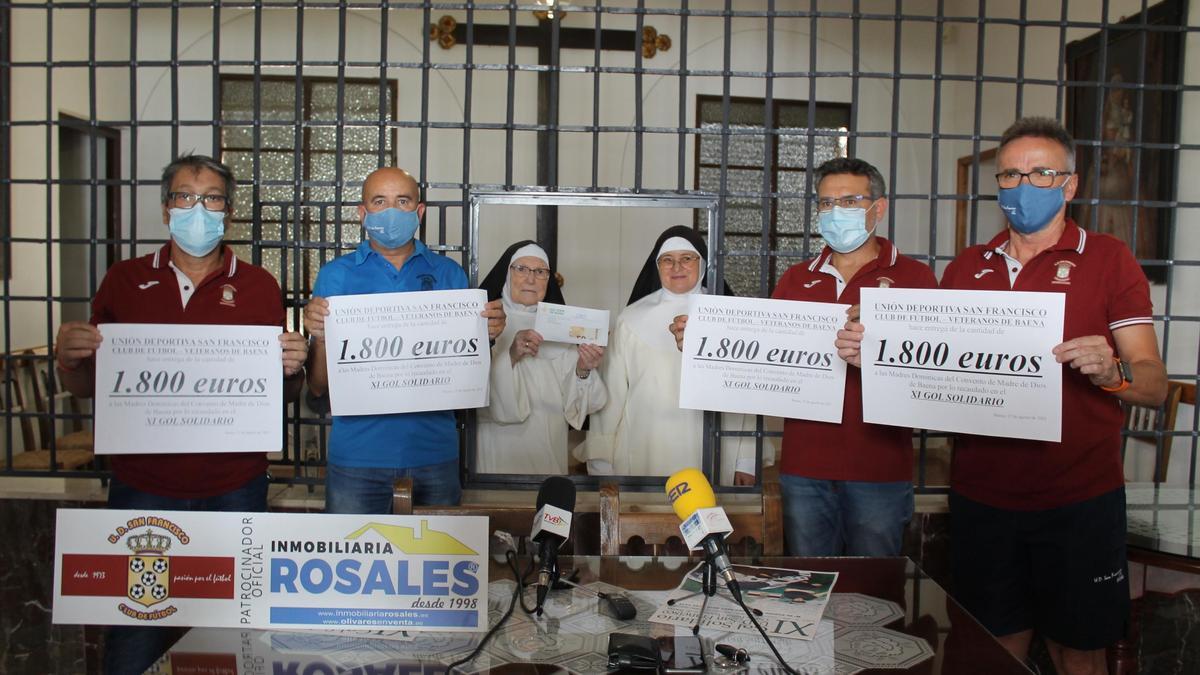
<point x="1128" y="178"/>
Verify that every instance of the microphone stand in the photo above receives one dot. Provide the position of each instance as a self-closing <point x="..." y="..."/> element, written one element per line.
<point x="708" y="588"/>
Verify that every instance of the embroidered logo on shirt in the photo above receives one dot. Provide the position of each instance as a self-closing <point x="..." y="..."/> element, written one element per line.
<point x="1062" y="272"/>
<point x="980" y="273"/>
<point x="148" y="284"/>
<point x="812" y="283"/>
<point x="426" y="282"/>
<point x="227" y="293"/>
<point x="885" y="282"/>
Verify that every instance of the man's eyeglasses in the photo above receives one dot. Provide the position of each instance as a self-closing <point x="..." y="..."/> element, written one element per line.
<point x="1042" y="178"/>
<point x="687" y="261"/>
<point x="186" y="200"/>
<point x="847" y="202"/>
<point x="539" y="273"/>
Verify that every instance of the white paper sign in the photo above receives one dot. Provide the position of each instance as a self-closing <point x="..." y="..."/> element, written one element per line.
<point x="407" y="352"/>
<point x="270" y="570"/>
<point x="574" y="325"/>
<point x="764" y="357"/>
<point x="976" y="362"/>
<point x="188" y="388"/>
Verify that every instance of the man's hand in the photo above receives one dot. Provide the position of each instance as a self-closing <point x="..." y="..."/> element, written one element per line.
<point x="314" y="316"/>
<point x="589" y="359"/>
<point x="494" y="311"/>
<point x="740" y="478"/>
<point x="677" y="327"/>
<point x="849" y="338"/>
<point x="295" y="352"/>
<point x="77" y="341"/>
<point x="525" y="343"/>
<point x="1091" y="356"/>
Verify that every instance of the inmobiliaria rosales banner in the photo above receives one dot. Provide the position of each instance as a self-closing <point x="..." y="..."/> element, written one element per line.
<point x="270" y="570"/>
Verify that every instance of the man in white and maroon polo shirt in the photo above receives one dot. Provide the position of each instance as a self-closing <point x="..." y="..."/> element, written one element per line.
<point x="1038" y="529"/>
<point x="847" y="487"/>
<point x="193" y="279"/>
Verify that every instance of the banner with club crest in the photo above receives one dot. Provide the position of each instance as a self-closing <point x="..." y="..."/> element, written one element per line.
<point x="270" y="570"/>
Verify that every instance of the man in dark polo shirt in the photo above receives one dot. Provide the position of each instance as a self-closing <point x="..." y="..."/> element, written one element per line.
<point x="1037" y="529"/>
<point x="193" y="279"/>
<point x="847" y="488"/>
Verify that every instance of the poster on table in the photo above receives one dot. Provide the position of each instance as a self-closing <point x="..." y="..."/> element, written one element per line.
<point x="978" y="362"/>
<point x="407" y="352"/>
<point x="270" y="570"/>
<point x="791" y="602"/>
<point x="763" y="357"/>
<point x="163" y="388"/>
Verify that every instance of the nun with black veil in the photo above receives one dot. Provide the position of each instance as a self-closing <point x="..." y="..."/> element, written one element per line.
<point x="537" y="387"/>
<point x="642" y="431"/>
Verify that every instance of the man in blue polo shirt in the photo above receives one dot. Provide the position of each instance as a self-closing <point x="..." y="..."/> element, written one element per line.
<point x="367" y="453"/>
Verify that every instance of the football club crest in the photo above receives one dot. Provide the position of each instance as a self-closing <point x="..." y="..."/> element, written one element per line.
<point x="1062" y="272"/>
<point x="885" y="282"/>
<point x="227" y="293"/>
<point x="149" y="569"/>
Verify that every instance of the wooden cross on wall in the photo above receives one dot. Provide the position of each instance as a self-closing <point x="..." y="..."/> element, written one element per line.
<point x="448" y="33"/>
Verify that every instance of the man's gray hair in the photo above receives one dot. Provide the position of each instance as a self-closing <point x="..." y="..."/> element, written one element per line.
<point x="195" y="163"/>
<point x="856" y="167"/>
<point x="1042" y="127"/>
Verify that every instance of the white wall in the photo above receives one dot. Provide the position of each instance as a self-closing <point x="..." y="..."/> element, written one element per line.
<point x="599" y="249"/>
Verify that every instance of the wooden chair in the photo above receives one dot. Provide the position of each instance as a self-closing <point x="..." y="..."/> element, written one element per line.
<point x="632" y="532"/>
<point x="1144" y="420"/>
<point x="20" y="382"/>
<point x="38" y="375"/>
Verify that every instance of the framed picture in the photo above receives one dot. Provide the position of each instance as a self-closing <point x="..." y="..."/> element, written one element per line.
<point x="1104" y="107"/>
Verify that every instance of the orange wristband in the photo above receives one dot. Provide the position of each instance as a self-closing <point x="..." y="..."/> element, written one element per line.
<point x="1124" y="382"/>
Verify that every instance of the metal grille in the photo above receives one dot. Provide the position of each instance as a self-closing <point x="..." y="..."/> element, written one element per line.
<point x="600" y="97"/>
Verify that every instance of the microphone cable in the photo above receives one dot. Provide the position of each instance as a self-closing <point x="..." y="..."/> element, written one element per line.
<point x="510" y="557"/>
<point x="778" y="657"/>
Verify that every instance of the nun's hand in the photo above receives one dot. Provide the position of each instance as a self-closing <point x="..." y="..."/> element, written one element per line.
<point x="741" y="478"/>
<point x="677" y="326"/>
<point x="589" y="359"/>
<point x="494" y="311"/>
<point x="525" y="343"/>
<point x="849" y="339"/>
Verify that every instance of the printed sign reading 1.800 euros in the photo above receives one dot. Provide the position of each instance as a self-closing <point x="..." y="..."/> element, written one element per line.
<point x="929" y="355"/>
<point x="391" y="348"/>
<point x="151" y="382"/>
<point x="748" y="350"/>
<point x="407" y="352"/>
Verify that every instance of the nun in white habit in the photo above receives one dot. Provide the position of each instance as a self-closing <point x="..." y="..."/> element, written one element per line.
<point x="537" y="387"/>
<point x="643" y="431"/>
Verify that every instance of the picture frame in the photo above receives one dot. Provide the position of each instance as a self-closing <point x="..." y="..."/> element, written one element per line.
<point x="1126" y="190"/>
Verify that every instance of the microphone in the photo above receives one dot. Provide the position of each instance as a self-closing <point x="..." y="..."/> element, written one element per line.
<point x="705" y="524"/>
<point x="551" y="528"/>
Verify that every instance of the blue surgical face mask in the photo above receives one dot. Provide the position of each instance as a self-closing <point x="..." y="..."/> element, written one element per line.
<point x="197" y="231"/>
<point x="392" y="228"/>
<point x="1030" y="208"/>
<point x="844" y="229"/>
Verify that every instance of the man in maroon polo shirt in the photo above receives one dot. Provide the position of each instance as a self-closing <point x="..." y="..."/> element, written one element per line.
<point x="193" y="279"/>
<point x="847" y="488"/>
<point x="1037" y="529"/>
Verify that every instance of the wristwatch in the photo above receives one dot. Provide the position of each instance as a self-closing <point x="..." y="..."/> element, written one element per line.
<point x="1126" y="377"/>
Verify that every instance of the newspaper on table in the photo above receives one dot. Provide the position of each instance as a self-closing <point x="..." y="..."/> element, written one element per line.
<point x="791" y="602"/>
